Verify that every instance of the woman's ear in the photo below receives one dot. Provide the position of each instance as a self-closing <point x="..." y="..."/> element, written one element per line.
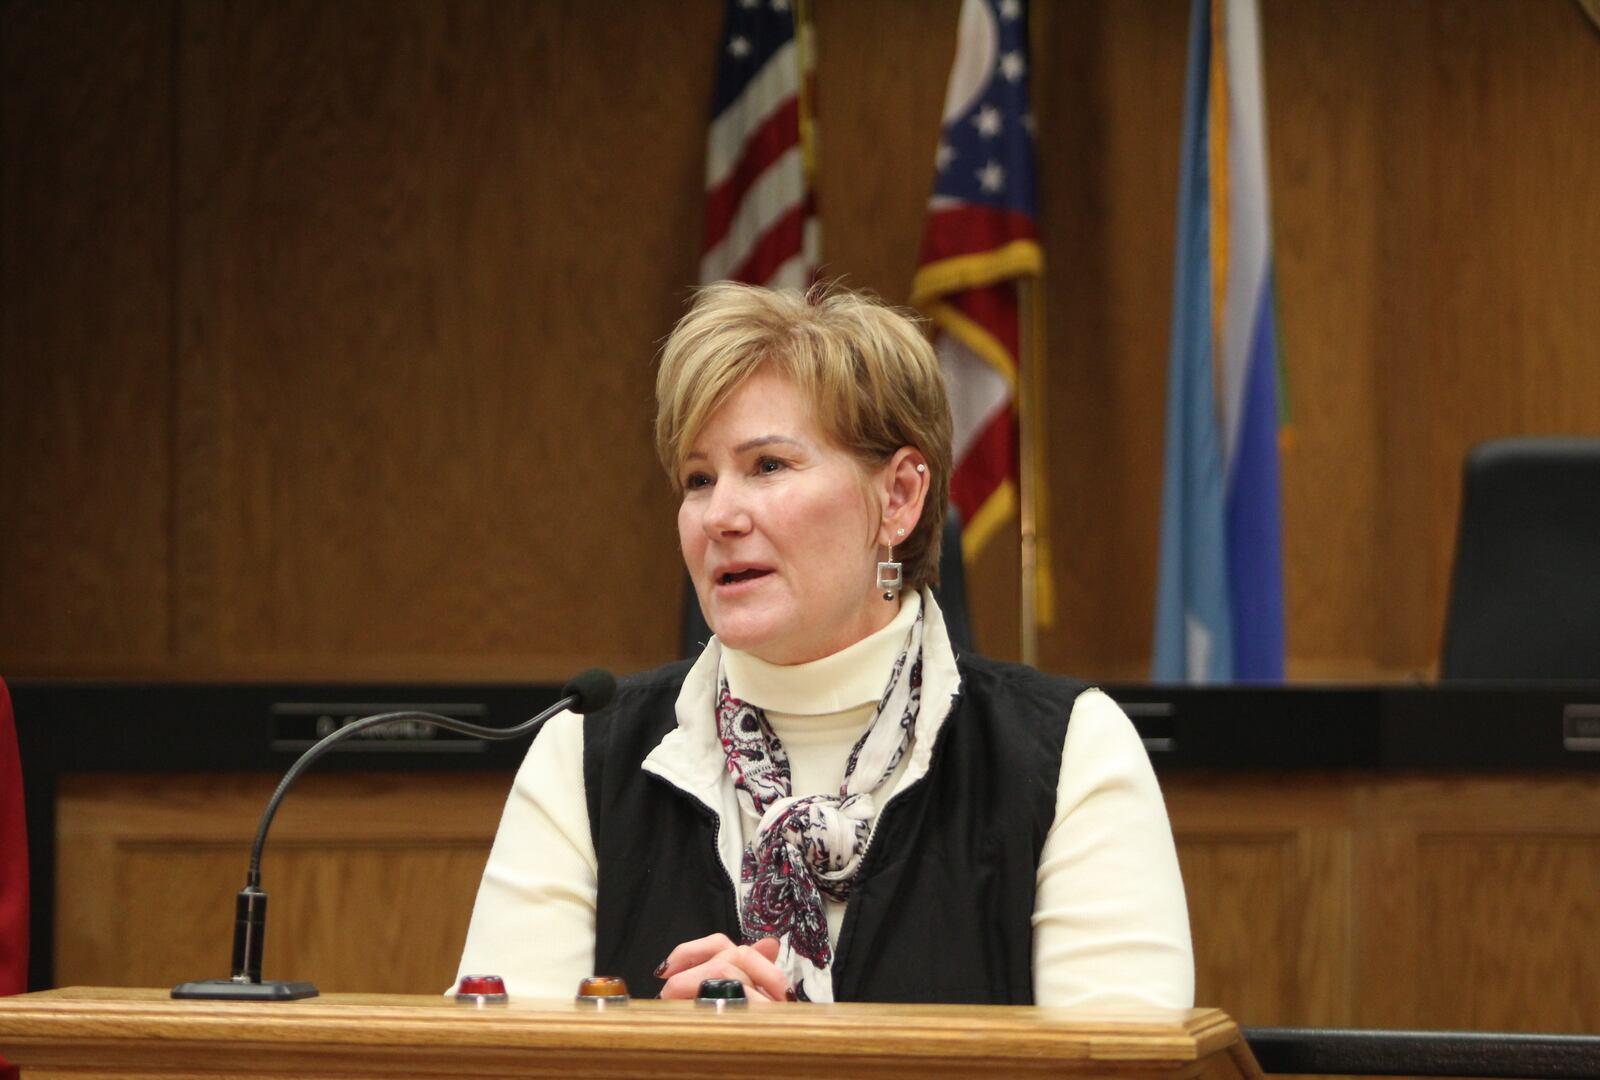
<point x="905" y="488"/>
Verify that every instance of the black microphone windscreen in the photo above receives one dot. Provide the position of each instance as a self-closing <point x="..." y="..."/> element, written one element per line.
<point x="593" y="689"/>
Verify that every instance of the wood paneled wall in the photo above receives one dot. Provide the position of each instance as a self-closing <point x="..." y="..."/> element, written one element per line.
<point x="326" y="329"/>
<point x="370" y="879"/>
<point x="1345" y="900"/>
<point x="1392" y="900"/>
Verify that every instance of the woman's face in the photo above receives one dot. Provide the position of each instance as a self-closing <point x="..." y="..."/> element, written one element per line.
<point x="780" y="529"/>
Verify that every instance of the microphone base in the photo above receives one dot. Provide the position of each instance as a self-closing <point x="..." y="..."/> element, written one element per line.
<point x="228" y="990"/>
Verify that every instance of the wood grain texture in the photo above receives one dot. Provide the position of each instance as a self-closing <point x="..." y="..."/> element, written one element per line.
<point x="388" y="1036"/>
<point x="881" y="70"/>
<point x="1268" y="874"/>
<point x="1337" y="900"/>
<point x="438" y="247"/>
<point x="1515" y="916"/>
<point x="326" y="330"/>
<point x="1483" y="272"/>
<point x="1478" y="899"/>
<point x="1109" y="78"/>
<point x="85" y="309"/>
<point x="1393" y="902"/>
<point x="1324" y="71"/>
<point x="371" y="878"/>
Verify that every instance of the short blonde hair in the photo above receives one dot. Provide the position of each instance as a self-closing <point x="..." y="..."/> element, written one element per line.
<point x="872" y="377"/>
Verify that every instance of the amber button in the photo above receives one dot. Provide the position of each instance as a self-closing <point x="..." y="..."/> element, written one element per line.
<point x="603" y="990"/>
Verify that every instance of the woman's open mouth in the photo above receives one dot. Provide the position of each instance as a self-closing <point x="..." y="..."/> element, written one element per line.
<point x="739" y="577"/>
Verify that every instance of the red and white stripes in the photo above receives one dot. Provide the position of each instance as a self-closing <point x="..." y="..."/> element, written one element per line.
<point x="760" y="224"/>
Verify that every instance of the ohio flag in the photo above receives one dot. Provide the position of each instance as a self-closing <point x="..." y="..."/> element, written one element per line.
<point x="979" y="242"/>
<point x="1219" y="604"/>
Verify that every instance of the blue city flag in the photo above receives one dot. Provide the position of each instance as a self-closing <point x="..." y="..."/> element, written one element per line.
<point x="1219" y="600"/>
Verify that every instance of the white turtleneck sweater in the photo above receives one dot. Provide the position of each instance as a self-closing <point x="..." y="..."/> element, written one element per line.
<point x="1110" y="923"/>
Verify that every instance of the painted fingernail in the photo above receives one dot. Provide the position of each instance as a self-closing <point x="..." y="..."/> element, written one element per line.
<point x="661" y="969"/>
<point x="790" y="995"/>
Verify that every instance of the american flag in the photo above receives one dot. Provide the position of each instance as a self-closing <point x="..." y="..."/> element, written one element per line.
<point x="978" y="242"/>
<point x="761" y="222"/>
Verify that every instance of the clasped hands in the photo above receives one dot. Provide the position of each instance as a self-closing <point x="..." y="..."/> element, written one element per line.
<point x="717" y="957"/>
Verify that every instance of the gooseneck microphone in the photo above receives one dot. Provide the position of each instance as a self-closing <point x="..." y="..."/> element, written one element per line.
<point x="586" y="692"/>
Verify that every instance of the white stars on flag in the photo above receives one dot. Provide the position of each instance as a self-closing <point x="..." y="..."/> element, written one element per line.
<point x="981" y="154"/>
<point x="738" y="47"/>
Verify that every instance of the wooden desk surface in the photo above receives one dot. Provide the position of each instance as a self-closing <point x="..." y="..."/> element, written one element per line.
<point x="144" y="1033"/>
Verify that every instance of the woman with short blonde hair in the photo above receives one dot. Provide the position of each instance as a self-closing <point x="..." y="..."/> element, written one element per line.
<point x="869" y="372"/>
<point x="829" y="803"/>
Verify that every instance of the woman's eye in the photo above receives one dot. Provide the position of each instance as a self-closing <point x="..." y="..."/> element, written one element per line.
<point x="768" y="465"/>
<point x="696" y="481"/>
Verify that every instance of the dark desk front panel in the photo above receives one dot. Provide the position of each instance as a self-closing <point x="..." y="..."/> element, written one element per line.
<point x="1353" y="855"/>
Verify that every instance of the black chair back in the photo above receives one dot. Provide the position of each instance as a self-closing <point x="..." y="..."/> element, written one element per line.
<point x="1525" y="595"/>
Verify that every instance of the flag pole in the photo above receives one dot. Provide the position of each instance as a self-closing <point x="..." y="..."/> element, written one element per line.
<point x="1027" y="499"/>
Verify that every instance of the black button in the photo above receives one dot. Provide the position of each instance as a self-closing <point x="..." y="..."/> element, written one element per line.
<point x="722" y="990"/>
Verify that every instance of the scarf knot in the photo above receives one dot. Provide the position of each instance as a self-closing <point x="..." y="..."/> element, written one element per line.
<point x="807" y="849"/>
<point x="811" y="848"/>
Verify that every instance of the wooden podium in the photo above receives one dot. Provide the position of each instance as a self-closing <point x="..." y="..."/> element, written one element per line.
<point x="145" y="1034"/>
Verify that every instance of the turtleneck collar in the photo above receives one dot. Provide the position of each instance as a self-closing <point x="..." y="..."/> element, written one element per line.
<point x="852" y="677"/>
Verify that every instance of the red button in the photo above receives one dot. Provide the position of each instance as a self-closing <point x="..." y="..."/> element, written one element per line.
<point x="481" y="984"/>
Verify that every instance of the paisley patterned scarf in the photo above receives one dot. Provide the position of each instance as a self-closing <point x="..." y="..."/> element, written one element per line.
<point x="809" y="848"/>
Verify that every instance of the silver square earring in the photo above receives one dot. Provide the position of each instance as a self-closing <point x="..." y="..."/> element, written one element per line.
<point x="889" y="577"/>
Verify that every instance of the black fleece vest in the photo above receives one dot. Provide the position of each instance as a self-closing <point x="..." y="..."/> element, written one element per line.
<point x="943" y="910"/>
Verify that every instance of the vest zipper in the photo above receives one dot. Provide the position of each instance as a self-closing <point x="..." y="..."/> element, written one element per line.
<point x="845" y="937"/>
<point x="716" y="847"/>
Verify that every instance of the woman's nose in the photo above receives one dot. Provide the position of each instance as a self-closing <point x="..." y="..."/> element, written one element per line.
<point x="727" y="513"/>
